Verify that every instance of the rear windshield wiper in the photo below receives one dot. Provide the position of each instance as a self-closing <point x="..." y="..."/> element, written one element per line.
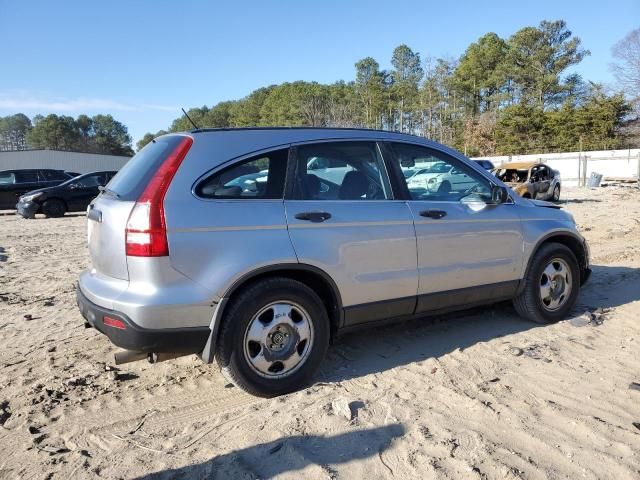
<point x="109" y="191"/>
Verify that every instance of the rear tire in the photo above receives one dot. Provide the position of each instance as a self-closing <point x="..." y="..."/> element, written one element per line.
<point x="54" y="208"/>
<point x="273" y="337"/>
<point x="551" y="285"/>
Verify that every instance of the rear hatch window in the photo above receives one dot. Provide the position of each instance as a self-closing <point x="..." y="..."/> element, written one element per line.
<point x="131" y="180"/>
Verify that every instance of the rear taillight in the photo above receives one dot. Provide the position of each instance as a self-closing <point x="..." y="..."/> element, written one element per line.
<point x="146" y="233"/>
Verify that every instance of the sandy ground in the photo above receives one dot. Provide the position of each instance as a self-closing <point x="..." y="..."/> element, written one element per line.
<point x="480" y="394"/>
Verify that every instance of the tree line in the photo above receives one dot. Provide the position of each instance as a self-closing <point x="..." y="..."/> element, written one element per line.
<point x="502" y="96"/>
<point x="97" y="134"/>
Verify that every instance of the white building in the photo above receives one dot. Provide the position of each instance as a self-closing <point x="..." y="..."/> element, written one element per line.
<point x="60" y="160"/>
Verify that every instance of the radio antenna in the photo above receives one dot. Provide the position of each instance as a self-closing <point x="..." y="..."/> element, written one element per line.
<point x="189" y="118"/>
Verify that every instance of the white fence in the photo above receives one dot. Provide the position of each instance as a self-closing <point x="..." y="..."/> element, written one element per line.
<point x="575" y="167"/>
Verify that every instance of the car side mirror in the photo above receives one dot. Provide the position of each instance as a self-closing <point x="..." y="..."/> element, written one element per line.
<point x="74" y="186"/>
<point x="499" y="194"/>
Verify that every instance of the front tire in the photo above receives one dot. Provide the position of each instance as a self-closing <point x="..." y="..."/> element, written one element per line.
<point x="273" y="337"/>
<point x="556" y="193"/>
<point x="54" y="208"/>
<point x="551" y="285"/>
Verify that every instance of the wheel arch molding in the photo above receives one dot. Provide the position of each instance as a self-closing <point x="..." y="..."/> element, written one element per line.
<point x="572" y="241"/>
<point x="314" y="277"/>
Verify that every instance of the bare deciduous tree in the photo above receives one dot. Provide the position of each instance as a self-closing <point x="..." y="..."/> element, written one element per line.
<point x="627" y="68"/>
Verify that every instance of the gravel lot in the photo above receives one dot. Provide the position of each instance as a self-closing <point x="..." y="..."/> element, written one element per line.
<point x="479" y="394"/>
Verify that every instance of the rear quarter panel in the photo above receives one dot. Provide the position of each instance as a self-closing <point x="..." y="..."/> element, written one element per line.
<point x="216" y="242"/>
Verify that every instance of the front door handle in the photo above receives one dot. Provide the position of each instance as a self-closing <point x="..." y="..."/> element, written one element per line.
<point x="436" y="214"/>
<point x="313" y="216"/>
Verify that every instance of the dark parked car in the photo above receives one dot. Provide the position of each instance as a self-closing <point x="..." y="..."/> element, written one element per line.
<point x="74" y="195"/>
<point x="486" y="164"/>
<point x="14" y="183"/>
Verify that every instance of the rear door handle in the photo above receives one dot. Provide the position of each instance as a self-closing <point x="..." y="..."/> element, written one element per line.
<point x="436" y="214"/>
<point x="313" y="216"/>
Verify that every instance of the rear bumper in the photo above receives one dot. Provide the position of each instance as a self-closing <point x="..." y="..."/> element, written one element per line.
<point x="27" y="209"/>
<point x="134" y="337"/>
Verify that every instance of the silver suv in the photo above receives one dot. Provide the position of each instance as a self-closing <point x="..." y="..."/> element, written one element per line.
<point x="255" y="247"/>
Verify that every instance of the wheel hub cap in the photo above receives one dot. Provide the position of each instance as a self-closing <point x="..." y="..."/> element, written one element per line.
<point x="278" y="339"/>
<point x="555" y="284"/>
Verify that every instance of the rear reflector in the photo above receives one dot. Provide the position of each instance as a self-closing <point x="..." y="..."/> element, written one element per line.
<point x="114" y="322"/>
<point x="146" y="233"/>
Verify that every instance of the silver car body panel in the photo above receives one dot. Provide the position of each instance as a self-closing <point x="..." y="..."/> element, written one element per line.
<point x="155" y="297"/>
<point x="472" y="245"/>
<point x="106" y="237"/>
<point x="216" y="242"/>
<point x="367" y="247"/>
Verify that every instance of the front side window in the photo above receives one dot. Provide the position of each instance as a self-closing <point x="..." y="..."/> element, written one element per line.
<point x="89" y="182"/>
<point x="341" y="171"/>
<point x="434" y="175"/>
<point x="53" y="175"/>
<point x="259" y="177"/>
<point x="27" y="177"/>
<point x="512" y="175"/>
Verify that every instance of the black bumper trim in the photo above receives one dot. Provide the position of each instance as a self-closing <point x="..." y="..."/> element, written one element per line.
<point x="134" y="337"/>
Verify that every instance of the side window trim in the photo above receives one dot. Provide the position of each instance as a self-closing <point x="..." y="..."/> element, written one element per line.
<point x="398" y="183"/>
<point x="238" y="160"/>
<point x="291" y="190"/>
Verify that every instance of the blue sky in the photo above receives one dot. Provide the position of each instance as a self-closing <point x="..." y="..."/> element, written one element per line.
<point x="142" y="60"/>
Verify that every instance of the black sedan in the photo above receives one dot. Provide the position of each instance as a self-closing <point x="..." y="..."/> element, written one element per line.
<point x="14" y="183"/>
<point x="71" y="196"/>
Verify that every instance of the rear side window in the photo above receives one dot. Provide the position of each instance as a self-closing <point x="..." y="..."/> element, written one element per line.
<point x="27" y="177"/>
<point x="341" y="171"/>
<point x="259" y="177"/>
<point x="131" y="180"/>
<point x="53" y="175"/>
